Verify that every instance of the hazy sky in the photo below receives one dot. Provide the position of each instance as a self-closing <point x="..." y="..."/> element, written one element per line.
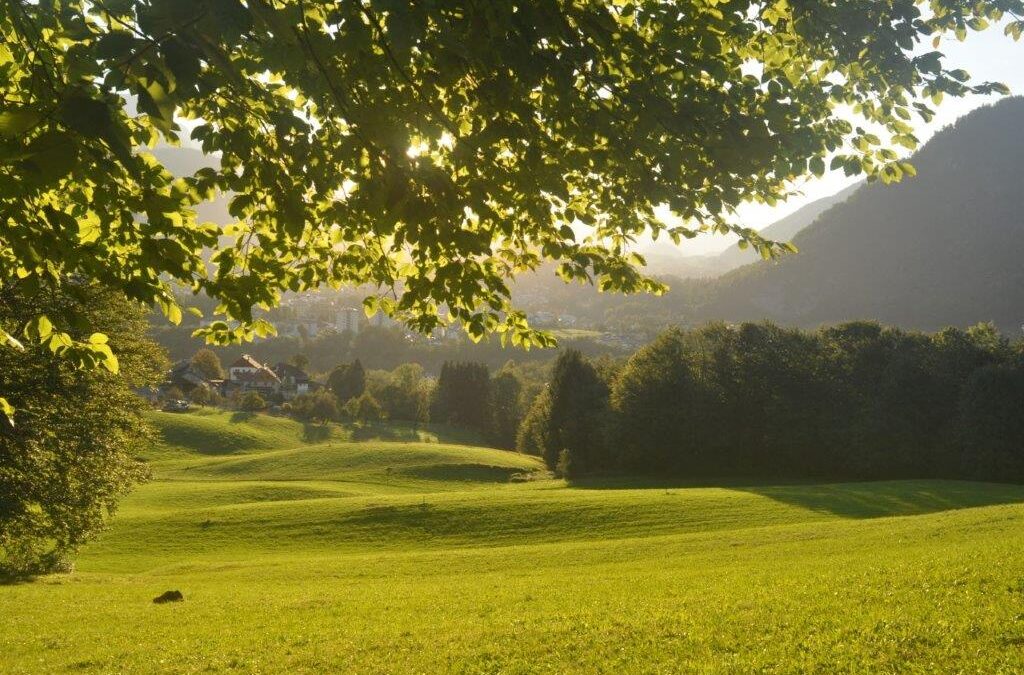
<point x="986" y="56"/>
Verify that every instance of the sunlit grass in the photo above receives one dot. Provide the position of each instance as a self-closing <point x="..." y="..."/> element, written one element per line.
<point x="410" y="553"/>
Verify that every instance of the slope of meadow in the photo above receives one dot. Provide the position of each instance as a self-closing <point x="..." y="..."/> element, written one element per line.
<point x="393" y="549"/>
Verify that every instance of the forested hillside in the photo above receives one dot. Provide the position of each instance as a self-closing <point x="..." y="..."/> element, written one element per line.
<point x="943" y="248"/>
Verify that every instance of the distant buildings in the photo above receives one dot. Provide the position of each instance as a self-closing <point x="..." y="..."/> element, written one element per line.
<point x="382" y="320"/>
<point x="186" y="377"/>
<point x="347" y="319"/>
<point x="306" y="318"/>
<point x="283" y="382"/>
<point x="305" y="329"/>
<point x="294" y="380"/>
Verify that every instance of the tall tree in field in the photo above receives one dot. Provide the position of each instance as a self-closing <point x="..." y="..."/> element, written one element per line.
<point x="578" y="415"/>
<point x="432" y="149"/>
<point x="207" y="362"/>
<point x="347" y="381"/>
<point x="532" y="437"/>
<point x="74" y="449"/>
<point x="505" y="390"/>
<point x="462" y="396"/>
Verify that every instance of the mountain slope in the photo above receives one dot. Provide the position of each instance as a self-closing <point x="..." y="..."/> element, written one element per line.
<point x="784" y="229"/>
<point x="666" y="258"/>
<point x="945" y="248"/>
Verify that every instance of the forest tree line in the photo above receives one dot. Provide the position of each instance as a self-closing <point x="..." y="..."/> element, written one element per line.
<point x="851" y="401"/>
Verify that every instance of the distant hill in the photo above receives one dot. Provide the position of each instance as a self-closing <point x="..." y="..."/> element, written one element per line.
<point x="667" y="259"/>
<point x="784" y="229"/>
<point x="944" y="248"/>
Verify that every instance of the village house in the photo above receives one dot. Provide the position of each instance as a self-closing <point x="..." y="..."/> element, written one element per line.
<point x="248" y="374"/>
<point x="294" y="381"/>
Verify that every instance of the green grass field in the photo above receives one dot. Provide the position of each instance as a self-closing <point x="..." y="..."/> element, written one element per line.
<point x="390" y="549"/>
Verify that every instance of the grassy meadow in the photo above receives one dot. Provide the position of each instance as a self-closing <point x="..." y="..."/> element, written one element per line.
<point x="391" y="549"/>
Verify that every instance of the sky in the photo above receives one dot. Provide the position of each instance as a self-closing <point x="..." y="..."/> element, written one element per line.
<point x="987" y="56"/>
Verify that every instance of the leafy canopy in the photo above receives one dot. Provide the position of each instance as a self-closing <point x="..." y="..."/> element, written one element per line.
<point x="433" y="149"/>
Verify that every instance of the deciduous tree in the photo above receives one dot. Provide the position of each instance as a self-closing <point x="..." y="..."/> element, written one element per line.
<point x="208" y="363"/>
<point x="74" y="450"/>
<point x="432" y="149"/>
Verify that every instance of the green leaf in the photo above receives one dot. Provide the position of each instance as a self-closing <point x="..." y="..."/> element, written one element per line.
<point x="13" y="123"/>
<point x="817" y="166"/>
<point x="43" y="327"/>
<point x="7" y="410"/>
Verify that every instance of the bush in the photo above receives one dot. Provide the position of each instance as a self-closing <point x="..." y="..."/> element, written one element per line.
<point x="251" y="401"/>
<point x="204" y="396"/>
<point x="320" y="406"/>
<point x="364" y="409"/>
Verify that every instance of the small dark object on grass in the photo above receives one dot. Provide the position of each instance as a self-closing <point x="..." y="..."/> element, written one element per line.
<point x="169" y="596"/>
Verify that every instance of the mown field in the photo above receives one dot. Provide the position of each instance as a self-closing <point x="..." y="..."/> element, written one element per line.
<point x="310" y="549"/>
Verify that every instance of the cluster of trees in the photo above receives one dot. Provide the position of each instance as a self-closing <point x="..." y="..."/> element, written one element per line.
<point x="468" y="396"/>
<point x="465" y="395"/>
<point x="353" y="393"/>
<point x="852" y="401"/>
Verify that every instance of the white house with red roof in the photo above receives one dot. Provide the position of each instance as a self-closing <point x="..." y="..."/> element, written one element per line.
<point x="248" y="374"/>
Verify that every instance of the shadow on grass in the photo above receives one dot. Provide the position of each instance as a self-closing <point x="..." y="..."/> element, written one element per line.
<point x="385" y="432"/>
<point x="892" y="498"/>
<point x="14" y="579"/>
<point x="240" y="416"/>
<point x="476" y="473"/>
<point x="846" y="500"/>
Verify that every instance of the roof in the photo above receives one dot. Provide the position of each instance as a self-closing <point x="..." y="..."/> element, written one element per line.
<point x="262" y="374"/>
<point x="288" y="370"/>
<point x="246" y="361"/>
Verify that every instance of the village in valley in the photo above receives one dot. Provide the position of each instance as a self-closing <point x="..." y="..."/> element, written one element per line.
<point x="281" y="382"/>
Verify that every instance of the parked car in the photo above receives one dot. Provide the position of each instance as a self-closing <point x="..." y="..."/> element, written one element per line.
<point x="176" y="405"/>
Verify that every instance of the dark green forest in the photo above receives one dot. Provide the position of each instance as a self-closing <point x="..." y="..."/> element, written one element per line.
<point x="851" y="401"/>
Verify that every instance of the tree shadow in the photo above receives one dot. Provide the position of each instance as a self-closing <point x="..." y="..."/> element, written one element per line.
<point x="892" y="498"/>
<point x="8" y="578"/>
<point x="388" y="432"/>
<point x="874" y="499"/>
<point x="241" y="416"/>
<point x="476" y="473"/>
<point x="643" y="482"/>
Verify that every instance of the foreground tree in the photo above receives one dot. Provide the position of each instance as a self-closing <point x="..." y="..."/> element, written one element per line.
<point x="433" y="149"/>
<point x="74" y="450"/>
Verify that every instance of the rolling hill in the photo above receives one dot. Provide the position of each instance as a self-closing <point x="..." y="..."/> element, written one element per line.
<point x="394" y="549"/>
<point x="944" y="248"/>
